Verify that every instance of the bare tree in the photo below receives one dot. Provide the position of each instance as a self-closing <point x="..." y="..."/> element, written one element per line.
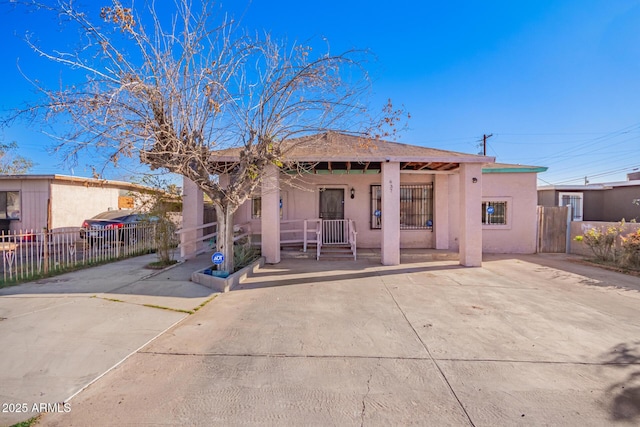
<point x="176" y="90"/>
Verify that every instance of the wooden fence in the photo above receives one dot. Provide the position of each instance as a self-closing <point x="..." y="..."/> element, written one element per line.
<point x="552" y="229"/>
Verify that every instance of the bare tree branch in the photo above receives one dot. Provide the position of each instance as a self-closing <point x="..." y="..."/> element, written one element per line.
<point x="176" y="92"/>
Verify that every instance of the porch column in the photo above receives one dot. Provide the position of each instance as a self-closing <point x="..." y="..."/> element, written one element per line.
<point x="390" y="213"/>
<point x="441" y="211"/>
<point x="470" y="214"/>
<point x="271" y="215"/>
<point x="192" y="216"/>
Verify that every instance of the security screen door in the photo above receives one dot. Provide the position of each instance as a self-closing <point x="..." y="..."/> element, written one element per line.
<point x="332" y="214"/>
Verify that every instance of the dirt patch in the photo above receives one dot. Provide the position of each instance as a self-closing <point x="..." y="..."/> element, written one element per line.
<point x="159" y="265"/>
<point x="610" y="267"/>
<point x="48" y="281"/>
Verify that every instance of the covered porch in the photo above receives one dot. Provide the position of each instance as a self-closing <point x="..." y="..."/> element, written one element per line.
<point x="351" y="195"/>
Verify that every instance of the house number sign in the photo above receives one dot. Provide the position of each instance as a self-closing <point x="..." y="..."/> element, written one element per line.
<point x="490" y="210"/>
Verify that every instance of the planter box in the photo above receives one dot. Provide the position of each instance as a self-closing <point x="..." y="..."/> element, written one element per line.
<point x="226" y="284"/>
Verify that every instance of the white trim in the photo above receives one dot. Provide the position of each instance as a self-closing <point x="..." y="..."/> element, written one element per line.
<point x="573" y="193"/>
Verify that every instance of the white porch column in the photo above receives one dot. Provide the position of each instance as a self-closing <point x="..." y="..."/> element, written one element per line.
<point x="441" y="211"/>
<point x="192" y="216"/>
<point x="470" y="214"/>
<point x="390" y="213"/>
<point x="271" y="215"/>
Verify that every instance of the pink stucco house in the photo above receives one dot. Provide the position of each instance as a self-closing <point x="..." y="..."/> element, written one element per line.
<point x="363" y="193"/>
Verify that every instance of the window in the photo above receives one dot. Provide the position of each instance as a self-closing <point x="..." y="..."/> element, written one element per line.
<point x="416" y="207"/>
<point x="575" y="201"/>
<point x="256" y="208"/>
<point x="494" y="213"/>
<point x="9" y="205"/>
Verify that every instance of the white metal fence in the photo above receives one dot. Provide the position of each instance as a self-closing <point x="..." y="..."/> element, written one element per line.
<point x="305" y="232"/>
<point x="203" y="238"/>
<point x="29" y="254"/>
<point x="335" y="231"/>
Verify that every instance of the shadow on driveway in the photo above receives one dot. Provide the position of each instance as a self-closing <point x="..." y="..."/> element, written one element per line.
<point x="572" y="264"/>
<point x="624" y="396"/>
<point x="307" y="272"/>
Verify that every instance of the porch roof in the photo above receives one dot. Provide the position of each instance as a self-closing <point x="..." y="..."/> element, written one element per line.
<point x="333" y="151"/>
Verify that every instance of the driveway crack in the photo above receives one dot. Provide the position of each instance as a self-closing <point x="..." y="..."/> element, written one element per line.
<point x="364" y="399"/>
<point x="433" y="360"/>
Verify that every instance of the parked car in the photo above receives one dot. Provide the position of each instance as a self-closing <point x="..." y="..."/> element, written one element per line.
<point x="113" y="225"/>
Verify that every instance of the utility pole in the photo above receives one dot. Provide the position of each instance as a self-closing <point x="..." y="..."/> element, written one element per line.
<point x="484" y="143"/>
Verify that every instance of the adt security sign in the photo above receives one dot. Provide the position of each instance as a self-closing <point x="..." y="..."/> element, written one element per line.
<point x="490" y="210"/>
<point x="217" y="258"/>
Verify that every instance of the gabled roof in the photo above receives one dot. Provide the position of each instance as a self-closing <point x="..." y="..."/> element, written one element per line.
<point x="336" y="151"/>
<point x="332" y="147"/>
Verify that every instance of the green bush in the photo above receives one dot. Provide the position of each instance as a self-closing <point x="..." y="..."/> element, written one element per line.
<point x="244" y="253"/>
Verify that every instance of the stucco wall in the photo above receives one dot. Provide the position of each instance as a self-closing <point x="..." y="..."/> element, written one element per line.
<point x="611" y="204"/>
<point x="578" y="228"/>
<point x="73" y="203"/>
<point x="301" y="200"/>
<point x="618" y="204"/>
<point x="519" y="190"/>
<point x="547" y="198"/>
<point x="33" y="202"/>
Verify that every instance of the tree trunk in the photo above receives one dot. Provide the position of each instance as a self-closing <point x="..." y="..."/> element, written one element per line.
<point x="225" y="235"/>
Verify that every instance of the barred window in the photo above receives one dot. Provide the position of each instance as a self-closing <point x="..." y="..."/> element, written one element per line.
<point x="416" y="207"/>
<point x="494" y="213"/>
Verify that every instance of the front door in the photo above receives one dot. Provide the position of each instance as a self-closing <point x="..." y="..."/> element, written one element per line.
<point x="332" y="203"/>
<point x="332" y="214"/>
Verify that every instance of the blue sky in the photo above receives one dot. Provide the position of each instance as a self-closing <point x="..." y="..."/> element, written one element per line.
<point x="557" y="83"/>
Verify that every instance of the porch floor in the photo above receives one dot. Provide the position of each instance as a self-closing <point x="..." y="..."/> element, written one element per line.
<point x="406" y="255"/>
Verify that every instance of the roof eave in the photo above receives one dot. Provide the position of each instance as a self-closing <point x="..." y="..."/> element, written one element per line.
<point x="382" y="159"/>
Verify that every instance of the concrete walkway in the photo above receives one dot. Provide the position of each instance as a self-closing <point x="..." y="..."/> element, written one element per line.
<point x="531" y="340"/>
<point x="59" y="334"/>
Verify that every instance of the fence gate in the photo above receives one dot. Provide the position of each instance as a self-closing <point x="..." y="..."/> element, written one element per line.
<point x="335" y="231"/>
<point x="552" y="229"/>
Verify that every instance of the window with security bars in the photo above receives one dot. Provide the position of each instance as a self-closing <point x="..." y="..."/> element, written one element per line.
<point x="574" y="200"/>
<point x="416" y="207"/>
<point x="494" y="213"/>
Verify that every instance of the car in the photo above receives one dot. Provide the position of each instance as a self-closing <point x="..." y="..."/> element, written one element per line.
<point x="114" y="225"/>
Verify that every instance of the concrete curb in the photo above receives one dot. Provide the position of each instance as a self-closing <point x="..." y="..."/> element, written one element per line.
<point x="156" y="272"/>
<point x="219" y="284"/>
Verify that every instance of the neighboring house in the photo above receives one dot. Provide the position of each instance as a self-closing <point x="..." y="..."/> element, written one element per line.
<point x="395" y="195"/>
<point x="33" y="202"/>
<point x="609" y="202"/>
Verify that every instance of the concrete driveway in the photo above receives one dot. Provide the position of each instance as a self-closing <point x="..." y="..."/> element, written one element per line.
<point x="59" y="334"/>
<point x="531" y="340"/>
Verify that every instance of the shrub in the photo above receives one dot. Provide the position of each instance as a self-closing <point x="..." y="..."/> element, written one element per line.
<point x="602" y="241"/>
<point x="631" y="250"/>
<point x="244" y="254"/>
